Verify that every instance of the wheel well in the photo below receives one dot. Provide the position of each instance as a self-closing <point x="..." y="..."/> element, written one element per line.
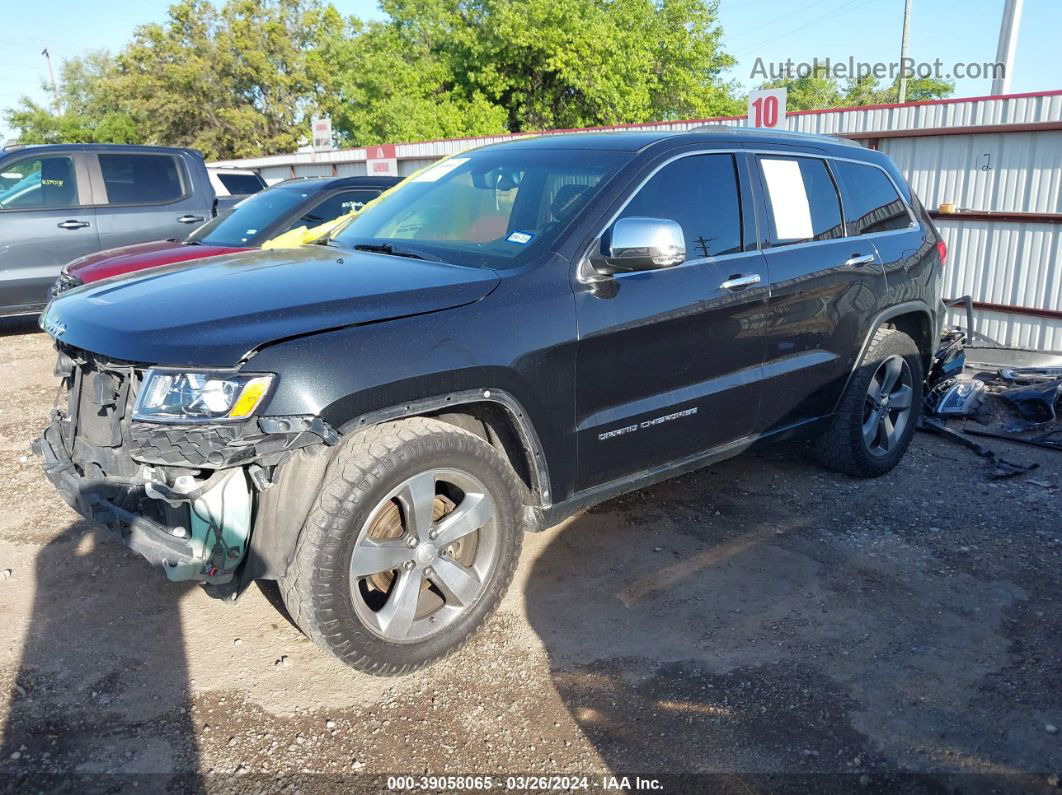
<point x="493" y="423"/>
<point x="917" y="326"/>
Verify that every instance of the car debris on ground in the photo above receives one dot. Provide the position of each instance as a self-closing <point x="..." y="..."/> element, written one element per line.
<point x="982" y="389"/>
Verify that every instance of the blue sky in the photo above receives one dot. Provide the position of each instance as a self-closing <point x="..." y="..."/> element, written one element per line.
<point x="868" y="30"/>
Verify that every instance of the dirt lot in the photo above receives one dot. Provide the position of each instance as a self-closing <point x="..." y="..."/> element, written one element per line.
<point x="762" y="620"/>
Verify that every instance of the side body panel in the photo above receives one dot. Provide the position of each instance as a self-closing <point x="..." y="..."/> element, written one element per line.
<point x="669" y="362"/>
<point x="825" y="295"/>
<point x="122" y="224"/>
<point x="520" y="339"/>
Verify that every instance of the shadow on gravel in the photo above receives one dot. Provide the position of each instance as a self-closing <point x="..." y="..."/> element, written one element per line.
<point x="23" y="324"/>
<point x="101" y="697"/>
<point x="735" y="624"/>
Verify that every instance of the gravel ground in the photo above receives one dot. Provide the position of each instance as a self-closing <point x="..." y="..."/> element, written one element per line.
<point x="762" y="621"/>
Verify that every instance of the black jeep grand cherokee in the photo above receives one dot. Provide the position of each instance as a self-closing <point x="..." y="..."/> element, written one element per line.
<point x="512" y="335"/>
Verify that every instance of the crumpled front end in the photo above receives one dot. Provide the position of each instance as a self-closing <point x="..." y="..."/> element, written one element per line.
<point x="182" y="496"/>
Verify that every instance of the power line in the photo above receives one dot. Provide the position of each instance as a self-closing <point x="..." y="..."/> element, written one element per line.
<point x="778" y="19"/>
<point x="842" y="9"/>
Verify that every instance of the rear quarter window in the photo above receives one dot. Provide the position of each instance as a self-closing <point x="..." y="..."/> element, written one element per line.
<point x="871" y="203"/>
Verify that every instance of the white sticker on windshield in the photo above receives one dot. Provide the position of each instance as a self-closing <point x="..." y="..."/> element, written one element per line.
<point x="441" y="170"/>
<point x="523" y="238"/>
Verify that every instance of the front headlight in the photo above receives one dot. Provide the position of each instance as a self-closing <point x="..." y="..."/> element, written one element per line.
<point x="175" y="396"/>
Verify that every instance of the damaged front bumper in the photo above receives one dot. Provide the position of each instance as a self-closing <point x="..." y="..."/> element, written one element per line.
<point x="183" y="497"/>
<point x="107" y="502"/>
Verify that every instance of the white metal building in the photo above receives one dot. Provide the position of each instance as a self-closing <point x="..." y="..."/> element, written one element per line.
<point x="997" y="159"/>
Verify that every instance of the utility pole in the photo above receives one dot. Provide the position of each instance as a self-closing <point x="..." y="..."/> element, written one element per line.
<point x="51" y="76"/>
<point x="1008" y="44"/>
<point x="903" y="49"/>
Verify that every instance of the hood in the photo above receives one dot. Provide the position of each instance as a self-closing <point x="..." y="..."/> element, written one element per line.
<point x="115" y="261"/>
<point x="214" y="312"/>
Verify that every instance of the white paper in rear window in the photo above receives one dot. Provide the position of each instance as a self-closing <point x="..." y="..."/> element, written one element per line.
<point x="789" y="199"/>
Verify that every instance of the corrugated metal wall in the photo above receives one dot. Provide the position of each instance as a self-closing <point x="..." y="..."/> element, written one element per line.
<point x="998" y="172"/>
<point x="1008" y="263"/>
<point x="999" y="262"/>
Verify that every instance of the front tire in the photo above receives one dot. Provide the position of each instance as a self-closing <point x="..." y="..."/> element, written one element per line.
<point x="879" y="411"/>
<point x="410" y="546"/>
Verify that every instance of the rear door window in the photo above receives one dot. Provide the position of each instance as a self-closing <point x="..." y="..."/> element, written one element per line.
<point x="871" y="203"/>
<point x="39" y="183"/>
<point x="141" y="179"/>
<point x="802" y="198"/>
<point x="700" y="193"/>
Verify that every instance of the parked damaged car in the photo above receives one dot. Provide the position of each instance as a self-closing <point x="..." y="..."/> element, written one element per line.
<point x="510" y="336"/>
<point x="288" y="205"/>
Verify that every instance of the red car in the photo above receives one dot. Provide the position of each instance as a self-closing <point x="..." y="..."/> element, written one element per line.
<point x="258" y="218"/>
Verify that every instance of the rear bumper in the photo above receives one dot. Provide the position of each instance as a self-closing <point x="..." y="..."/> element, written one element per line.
<point x="97" y="501"/>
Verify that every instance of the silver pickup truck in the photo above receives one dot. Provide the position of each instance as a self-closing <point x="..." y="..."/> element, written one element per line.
<point x="59" y="202"/>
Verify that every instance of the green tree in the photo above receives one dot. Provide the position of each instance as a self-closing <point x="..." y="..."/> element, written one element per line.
<point x="820" y="90"/>
<point x="233" y="83"/>
<point x="440" y="68"/>
<point x="89" y="110"/>
<point x="389" y="89"/>
<point x="243" y="78"/>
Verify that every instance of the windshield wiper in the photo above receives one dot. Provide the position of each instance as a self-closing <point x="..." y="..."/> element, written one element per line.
<point x="387" y="248"/>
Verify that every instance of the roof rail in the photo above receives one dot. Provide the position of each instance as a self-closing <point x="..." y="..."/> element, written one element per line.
<point x="837" y="138"/>
<point x="716" y="128"/>
<point x="13" y="147"/>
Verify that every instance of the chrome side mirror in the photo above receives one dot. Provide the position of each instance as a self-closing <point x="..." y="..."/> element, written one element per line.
<point x="641" y="244"/>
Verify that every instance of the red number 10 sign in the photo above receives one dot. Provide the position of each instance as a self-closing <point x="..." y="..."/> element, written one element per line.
<point x="767" y="108"/>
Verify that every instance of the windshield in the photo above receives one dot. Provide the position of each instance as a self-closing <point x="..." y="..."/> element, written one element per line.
<point x="492" y="209"/>
<point x="248" y="223"/>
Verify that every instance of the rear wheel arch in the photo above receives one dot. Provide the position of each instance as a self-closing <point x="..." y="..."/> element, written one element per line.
<point x="919" y="327"/>
<point x="908" y="317"/>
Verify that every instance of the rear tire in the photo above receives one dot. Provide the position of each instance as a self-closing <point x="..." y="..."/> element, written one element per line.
<point x="409" y="547"/>
<point x="877" y="415"/>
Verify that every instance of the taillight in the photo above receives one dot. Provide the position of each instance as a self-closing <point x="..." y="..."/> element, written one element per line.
<point x="942" y="252"/>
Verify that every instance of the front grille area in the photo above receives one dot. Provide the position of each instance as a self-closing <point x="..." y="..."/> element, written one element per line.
<point x="103" y="441"/>
<point x="98" y="400"/>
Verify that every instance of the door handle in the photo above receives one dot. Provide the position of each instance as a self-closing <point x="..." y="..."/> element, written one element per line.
<point x="190" y="219"/>
<point x="859" y="260"/>
<point x="72" y="224"/>
<point x="738" y="282"/>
